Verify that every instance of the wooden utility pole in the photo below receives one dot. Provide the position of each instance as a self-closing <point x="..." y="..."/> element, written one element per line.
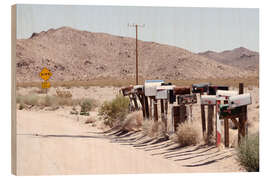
<point x="137" y="71"/>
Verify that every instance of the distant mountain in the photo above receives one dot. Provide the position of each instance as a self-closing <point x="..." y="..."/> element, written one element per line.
<point x="80" y="55"/>
<point x="241" y="57"/>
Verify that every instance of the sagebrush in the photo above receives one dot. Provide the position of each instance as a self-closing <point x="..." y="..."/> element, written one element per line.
<point x="115" y="111"/>
<point x="187" y="134"/>
<point x="248" y="153"/>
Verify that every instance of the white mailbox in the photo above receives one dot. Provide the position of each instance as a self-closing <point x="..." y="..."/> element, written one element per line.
<point x="239" y="100"/>
<point x="225" y="93"/>
<point x="208" y="99"/>
<point x="150" y="87"/>
<point x="162" y="91"/>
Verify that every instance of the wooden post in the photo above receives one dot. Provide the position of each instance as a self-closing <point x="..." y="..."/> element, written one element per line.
<point x="150" y="109"/>
<point x="146" y="106"/>
<point x="135" y="101"/>
<point x="203" y="120"/>
<point x="210" y="121"/>
<point x="155" y="111"/>
<point x="226" y="132"/>
<point x="176" y="116"/>
<point x="162" y="111"/>
<point x="242" y="117"/>
<point x="141" y="99"/>
<point x="183" y="113"/>
<point x="166" y="114"/>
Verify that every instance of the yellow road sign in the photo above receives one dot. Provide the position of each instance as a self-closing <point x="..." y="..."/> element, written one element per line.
<point x="45" y="74"/>
<point x="46" y="84"/>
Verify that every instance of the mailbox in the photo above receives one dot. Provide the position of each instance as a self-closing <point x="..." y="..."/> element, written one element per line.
<point x="138" y="89"/>
<point x="213" y="89"/>
<point x="239" y="100"/>
<point x="187" y="99"/>
<point x="181" y="90"/>
<point x="150" y="87"/>
<point x="222" y="93"/>
<point x="200" y="88"/>
<point x="163" y="91"/>
<point x="226" y="112"/>
<point x="127" y="90"/>
<point x="208" y="99"/>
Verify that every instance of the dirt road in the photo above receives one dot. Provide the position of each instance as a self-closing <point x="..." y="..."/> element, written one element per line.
<point x="54" y="142"/>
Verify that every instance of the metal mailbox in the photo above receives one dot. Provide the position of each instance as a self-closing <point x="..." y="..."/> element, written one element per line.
<point x="127" y="90"/>
<point x="200" y="88"/>
<point x="239" y="100"/>
<point x="150" y="87"/>
<point x="163" y="91"/>
<point x="187" y="99"/>
<point x="181" y="90"/>
<point x="226" y="112"/>
<point x="138" y="89"/>
<point x="222" y="93"/>
<point x="208" y="99"/>
<point x="213" y="89"/>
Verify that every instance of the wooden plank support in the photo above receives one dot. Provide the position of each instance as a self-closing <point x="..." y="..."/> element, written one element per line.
<point x="183" y="113"/>
<point x="162" y="112"/>
<point x="155" y="111"/>
<point x="141" y="99"/>
<point x="176" y="116"/>
<point x="242" y="117"/>
<point x="226" y="132"/>
<point x="135" y="101"/>
<point x="203" y="120"/>
<point x="210" y="121"/>
<point x="146" y="107"/>
<point x="166" y="114"/>
<point x="151" y="109"/>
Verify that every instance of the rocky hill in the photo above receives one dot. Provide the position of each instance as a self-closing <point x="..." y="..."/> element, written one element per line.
<point x="239" y="57"/>
<point x="80" y="55"/>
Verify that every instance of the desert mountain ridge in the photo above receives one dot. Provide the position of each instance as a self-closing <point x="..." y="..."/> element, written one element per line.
<point x="241" y="58"/>
<point x="73" y="54"/>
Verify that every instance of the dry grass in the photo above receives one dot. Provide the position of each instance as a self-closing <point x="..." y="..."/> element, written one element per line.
<point x="133" y="121"/>
<point x="154" y="129"/>
<point x="109" y="81"/>
<point x="248" y="153"/>
<point x="187" y="134"/>
<point x="37" y="100"/>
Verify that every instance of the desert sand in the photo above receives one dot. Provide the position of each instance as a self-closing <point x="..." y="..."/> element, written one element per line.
<point x="56" y="142"/>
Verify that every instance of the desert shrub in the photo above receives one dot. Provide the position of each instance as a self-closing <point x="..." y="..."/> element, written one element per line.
<point x="187" y="134"/>
<point x="114" y="111"/>
<point x="87" y="105"/>
<point x="36" y="100"/>
<point x="248" y="153"/>
<point x="154" y="129"/>
<point x="28" y="99"/>
<point x="133" y="121"/>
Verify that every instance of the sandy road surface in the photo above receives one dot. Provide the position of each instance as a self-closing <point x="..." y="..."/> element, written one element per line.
<point x="58" y="143"/>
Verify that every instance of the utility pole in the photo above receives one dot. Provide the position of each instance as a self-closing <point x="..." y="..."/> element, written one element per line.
<point x="136" y="26"/>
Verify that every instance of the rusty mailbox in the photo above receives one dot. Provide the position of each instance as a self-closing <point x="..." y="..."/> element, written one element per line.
<point x="200" y="88"/>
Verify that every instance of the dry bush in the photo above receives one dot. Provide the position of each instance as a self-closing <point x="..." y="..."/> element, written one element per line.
<point x="36" y="100"/>
<point x="63" y="94"/>
<point x="154" y="129"/>
<point x="187" y="134"/>
<point x="133" y="121"/>
<point x="114" y="112"/>
<point x="248" y="153"/>
<point x="90" y="120"/>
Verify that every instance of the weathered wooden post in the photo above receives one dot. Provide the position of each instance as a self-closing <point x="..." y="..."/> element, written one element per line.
<point x="226" y="132"/>
<point x="151" y="109"/>
<point x="162" y="111"/>
<point x="146" y="106"/>
<point x="176" y="116"/>
<point x="242" y="117"/>
<point x="210" y="121"/>
<point x="166" y="114"/>
<point x="155" y="111"/>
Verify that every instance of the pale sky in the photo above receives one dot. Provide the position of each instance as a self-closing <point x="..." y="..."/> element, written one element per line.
<point x="194" y="29"/>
